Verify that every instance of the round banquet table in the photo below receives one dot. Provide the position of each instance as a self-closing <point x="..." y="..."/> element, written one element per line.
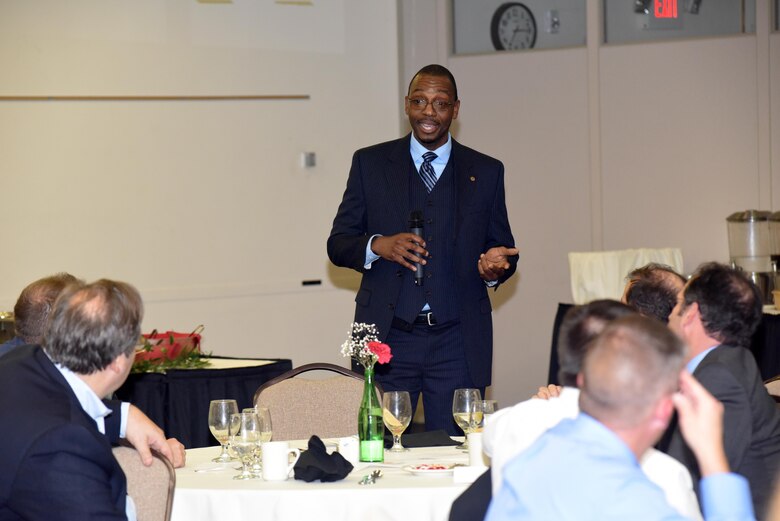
<point x="207" y="491"/>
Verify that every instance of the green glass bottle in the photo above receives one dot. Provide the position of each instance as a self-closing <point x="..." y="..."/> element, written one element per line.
<point x="371" y="429"/>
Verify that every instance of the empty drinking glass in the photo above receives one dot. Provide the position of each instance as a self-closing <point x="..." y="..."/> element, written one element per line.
<point x="220" y="412"/>
<point x="245" y="441"/>
<point x="488" y="408"/>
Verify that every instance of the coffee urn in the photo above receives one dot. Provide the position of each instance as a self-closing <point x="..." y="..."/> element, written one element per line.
<point x="750" y="248"/>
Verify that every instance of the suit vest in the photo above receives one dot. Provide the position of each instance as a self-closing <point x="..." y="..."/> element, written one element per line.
<point x="439" y="214"/>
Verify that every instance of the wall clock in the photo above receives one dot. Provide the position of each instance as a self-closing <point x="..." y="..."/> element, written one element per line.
<point x="513" y="27"/>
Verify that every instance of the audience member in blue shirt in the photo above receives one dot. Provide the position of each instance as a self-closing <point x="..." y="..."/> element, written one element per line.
<point x="587" y="468"/>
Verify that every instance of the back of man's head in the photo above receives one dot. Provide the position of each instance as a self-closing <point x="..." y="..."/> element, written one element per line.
<point x="93" y="324"/>
<point x="729" y="303"/>
<point x="652" y="290"/>
<point x="34" y="305"/>
<point x="628" y="368"/>
<point x="579" y="327"/>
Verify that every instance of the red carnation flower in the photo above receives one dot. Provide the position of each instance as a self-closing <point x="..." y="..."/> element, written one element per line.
<point x="382" y="351"/>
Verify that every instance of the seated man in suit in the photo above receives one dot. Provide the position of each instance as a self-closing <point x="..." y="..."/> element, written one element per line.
<point x="31" y="313"/>
<point x="56" y="453"/>
<point x="716" y="315"/>
<point x="586" y="467"/>
<point x="511" y="430"/>
<point x="652" y="290"/>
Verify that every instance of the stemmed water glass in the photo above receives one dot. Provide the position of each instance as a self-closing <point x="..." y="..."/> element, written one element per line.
<point x="488" y="408"/>
<point x="244" y="440"/>
<point x="220" y="413"/>
<point x="266" y="431"/>
<point x="467" y="411"/>
<point x="397" y="414"/>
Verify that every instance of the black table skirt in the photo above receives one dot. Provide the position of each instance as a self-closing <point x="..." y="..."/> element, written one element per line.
<point x="765" y="345"/>
<point x="178" y="401"/>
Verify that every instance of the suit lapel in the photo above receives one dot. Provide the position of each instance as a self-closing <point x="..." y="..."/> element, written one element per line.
<point x="397" y="178"/>
<point x="466" y="181"/>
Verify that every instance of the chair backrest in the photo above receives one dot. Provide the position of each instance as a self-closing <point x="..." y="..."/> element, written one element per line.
<point x="150" y="487"/>
<point x="773" y="387"/>
<point x="300" y="407"/>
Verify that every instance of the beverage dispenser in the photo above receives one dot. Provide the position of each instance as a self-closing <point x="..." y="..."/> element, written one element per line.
<point x="750" y="248"/>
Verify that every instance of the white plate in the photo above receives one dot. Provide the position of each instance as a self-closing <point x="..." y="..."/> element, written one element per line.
<point x="423" y="470"/>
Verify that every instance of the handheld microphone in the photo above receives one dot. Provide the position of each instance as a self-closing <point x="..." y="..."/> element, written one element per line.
<point x="416" y="227"/>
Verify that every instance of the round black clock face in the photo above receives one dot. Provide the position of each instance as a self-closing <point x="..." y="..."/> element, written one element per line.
<point x="513" y="27"/>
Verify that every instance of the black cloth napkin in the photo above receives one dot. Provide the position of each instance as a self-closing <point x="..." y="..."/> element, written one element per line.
<point x="316" y="463"/>
<point x="438" y="438"/>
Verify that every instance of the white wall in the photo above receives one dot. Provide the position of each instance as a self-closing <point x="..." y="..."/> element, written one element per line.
<point x="203" y="205"/>
<point x="611" y="147"/>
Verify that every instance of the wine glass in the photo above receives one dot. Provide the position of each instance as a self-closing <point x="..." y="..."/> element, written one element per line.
<point x="396" y="413"/>
<point x="467" y="411"/>
<point x="488" y="408"/>
<point x="220" y="412"/>
<point x="266" y="431"/>
<point x="245" y="440"/>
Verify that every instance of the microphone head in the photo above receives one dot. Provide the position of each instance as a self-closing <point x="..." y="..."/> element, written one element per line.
<point x="416" y="219"/>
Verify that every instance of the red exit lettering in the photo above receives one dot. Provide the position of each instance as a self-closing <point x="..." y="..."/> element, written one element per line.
<point x="666" y="8"/>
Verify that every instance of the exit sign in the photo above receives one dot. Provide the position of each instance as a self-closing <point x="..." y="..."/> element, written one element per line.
<point x="666" y="8"/>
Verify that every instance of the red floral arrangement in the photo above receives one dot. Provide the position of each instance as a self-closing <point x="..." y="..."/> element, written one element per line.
<point x="159" y="352"/>
<point x="363" y="345"/>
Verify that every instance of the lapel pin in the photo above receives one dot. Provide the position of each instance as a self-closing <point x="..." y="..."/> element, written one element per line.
<point x="472" y="179"/>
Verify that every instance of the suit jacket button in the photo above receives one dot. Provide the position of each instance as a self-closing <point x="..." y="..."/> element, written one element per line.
<point x="398" y="273"/>
<point x="391" y="306"/>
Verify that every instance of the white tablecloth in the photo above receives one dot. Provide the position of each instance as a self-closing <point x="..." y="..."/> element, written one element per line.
<point x="397" y="495"/>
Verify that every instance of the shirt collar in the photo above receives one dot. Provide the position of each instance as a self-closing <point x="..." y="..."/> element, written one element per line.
<point x="89" y="401"/>
<point x="696" y="360"/>
<point x="442" y="153"/>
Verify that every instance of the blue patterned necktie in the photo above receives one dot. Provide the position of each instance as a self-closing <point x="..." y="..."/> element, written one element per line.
<point x="426" y="171"/>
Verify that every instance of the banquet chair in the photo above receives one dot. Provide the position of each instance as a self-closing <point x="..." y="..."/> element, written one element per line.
<point x="300" y="407"/>
<point x="773" y="388"/>
<point x="150" y="487"/>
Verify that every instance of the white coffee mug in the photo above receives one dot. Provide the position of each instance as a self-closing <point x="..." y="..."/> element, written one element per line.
<point x="349" y="447"/>
<point x="476" y="455"/>
<point x="276" y="460"/>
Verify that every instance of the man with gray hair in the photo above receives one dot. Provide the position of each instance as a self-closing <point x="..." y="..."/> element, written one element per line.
<point x="586" y="467"/>
<point x="56" y="454"/>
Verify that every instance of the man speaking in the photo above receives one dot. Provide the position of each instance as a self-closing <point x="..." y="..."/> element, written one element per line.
<point x="427" y="202"/>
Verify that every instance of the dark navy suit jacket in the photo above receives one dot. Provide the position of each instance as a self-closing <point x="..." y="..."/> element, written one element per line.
<point x="376" y="201"/>
<point x="55" y="463"/>
<point x="751" y="422"/>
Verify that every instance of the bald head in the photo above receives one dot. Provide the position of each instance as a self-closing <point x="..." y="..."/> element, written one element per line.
<point x="93" y="324"/>
<point x="633" y="363"/>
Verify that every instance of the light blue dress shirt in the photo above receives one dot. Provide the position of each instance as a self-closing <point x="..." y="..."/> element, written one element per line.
<point x="98" y="411"/>
<point x="694" y="362"/>
<point x="580" y="470"/>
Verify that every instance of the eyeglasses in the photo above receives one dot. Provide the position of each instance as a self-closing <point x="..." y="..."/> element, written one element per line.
<point x="422" y="103"/>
